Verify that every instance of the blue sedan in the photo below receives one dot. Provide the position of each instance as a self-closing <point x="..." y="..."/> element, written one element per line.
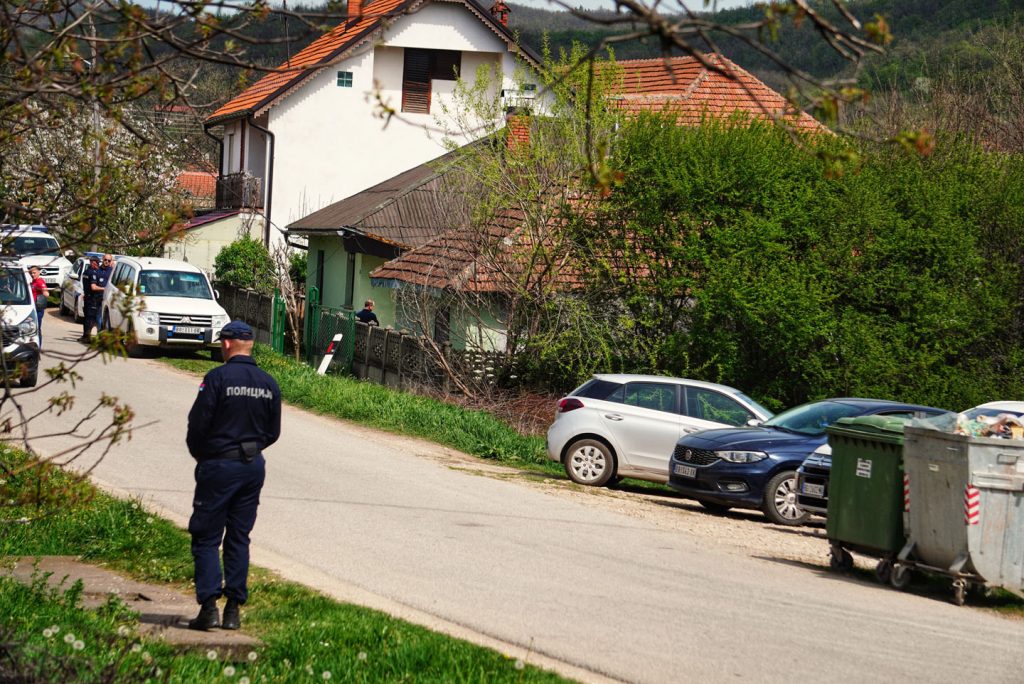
<point x="755" y="467"/>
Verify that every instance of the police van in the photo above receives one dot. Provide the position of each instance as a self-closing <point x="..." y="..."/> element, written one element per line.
<point x="163" y="303"/>
<point x="19" y="327"/>
<point x="33" y="245"/>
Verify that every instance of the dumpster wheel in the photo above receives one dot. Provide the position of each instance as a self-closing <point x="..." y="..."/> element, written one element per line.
<point x="900" y="576"/>
<point x="959" y="591"/>
<point x="883" y="571"/>
<point x="839" y="558"/>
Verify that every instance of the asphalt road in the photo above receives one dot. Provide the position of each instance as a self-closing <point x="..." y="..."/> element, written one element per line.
<point x="386" y="521"/>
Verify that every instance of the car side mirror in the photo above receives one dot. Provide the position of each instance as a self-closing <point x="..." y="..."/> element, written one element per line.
<point x="754" y="422"/>
<point x="73" y="276"/>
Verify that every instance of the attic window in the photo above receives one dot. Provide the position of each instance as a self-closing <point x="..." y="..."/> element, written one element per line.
<point x="344" y="79"/>
<point x="421" y="67"/>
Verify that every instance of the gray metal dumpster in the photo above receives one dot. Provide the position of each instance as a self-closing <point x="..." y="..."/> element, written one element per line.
<point x="966" y="510"/>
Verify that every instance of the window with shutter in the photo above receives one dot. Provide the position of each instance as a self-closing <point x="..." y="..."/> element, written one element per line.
<point x="422" y="66"/>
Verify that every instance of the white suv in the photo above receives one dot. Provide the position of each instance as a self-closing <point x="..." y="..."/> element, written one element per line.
<point x="19" y="328"/>
<point x="615" y="426"/>
<point x="32" y="245"/>
<point x="163" y="303"/>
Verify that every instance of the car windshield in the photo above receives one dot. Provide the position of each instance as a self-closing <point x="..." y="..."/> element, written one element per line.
<point x="812" y="419"/>
<point x="32" y="245"/>
<point x="13" y="287"/>
<point x="174" y="284"/>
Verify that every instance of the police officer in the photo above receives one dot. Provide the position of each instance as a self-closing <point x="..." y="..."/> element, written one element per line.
<point x="94" y="281"/>
<point x="236" y="415"/>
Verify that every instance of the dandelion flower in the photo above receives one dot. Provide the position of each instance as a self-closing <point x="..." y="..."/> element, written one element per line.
<point x="54" y="628"/>
<point x="69" y="638"/>
<point x="159" y="672"/>
<point x="520" y="664"/>
<point x="149" y="520"/>
<point x="243" y="680"/>
<point x="146" y="658"/>
<point x="47" y="632"/>
<point x="362" y="655"/>
<point x="309" y="669"/>
<point x="78" y="645"/>
<point x="253" y="655"/>
<point x="134" y="505"/>
<point x="136" y="648"/>
<point x="229" y="671"/>
<point x="326" y="675"/>
<point x="211" y="655"/>
<point x="123" y="631"/>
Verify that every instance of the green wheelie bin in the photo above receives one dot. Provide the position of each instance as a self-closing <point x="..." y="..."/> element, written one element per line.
<point x="866" y="494"/>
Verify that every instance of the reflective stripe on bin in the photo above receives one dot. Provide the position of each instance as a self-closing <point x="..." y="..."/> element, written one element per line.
<point x="972" y="505"/>
<point x="906" y="492"/>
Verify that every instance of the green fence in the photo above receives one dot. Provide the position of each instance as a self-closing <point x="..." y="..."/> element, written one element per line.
<point x="322" y="324"/>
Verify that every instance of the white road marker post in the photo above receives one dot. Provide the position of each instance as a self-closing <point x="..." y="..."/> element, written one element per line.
<point x="329" y="356"/>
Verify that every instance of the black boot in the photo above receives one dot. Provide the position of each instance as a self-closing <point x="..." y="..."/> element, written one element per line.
<point x="232" y="617"/>
<point x="208" y="617"/>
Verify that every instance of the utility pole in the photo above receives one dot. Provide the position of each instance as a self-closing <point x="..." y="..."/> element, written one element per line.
<point x="96" y="170"/>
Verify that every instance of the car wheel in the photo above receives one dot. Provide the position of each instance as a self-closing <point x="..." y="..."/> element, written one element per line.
<point x="30" y="377"/>
<point x="590" y="462"/>
<point x="713" y="507"/>
<point x="134" y="349"/>
<point x="779" y="503"/>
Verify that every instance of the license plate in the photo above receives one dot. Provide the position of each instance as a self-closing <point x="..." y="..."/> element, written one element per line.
<point x="684" y="470"/>
<point x="186" y="330"/>
<point x="813" y="489"/>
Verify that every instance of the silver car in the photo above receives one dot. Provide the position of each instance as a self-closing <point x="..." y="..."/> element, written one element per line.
<point x="616" y="426"/>
<point x="71" y="300"/>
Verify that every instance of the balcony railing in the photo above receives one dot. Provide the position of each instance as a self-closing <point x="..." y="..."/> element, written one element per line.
<point x="239" y="191"/>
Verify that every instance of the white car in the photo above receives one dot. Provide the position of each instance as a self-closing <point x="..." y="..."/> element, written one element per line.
<point x="72" y="301"/>
<point x="34" y="246"/>
<point x="163" y="303"/>
<point x="616" y="426"/>
<point x="20" y="359"/>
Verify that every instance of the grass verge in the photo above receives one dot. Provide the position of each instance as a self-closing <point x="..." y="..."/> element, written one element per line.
<point x="46" y="636"/>
<point x="474" y="432"/>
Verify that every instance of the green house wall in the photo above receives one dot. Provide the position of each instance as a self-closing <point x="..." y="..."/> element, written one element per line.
<point x="482" y="331"/>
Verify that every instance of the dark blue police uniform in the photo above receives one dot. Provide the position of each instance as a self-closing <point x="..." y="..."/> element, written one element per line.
<point x="236" y="415"/>
<point x="93" y="301"/>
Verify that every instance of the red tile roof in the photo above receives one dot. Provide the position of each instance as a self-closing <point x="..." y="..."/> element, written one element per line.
<point x="685" y="87"/>
<point x="320" y="51"/>
<point x="334" y="43"/>
<point x="202" y="184"/>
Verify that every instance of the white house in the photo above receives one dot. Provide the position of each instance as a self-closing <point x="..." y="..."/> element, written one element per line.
<point x="312" y="132"/>
<point x="200" y="239"/>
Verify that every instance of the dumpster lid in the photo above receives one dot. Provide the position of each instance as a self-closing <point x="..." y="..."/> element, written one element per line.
<point x="892" y="425"/>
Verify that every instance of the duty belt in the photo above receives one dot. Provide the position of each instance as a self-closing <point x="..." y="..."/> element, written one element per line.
<point x="239" y="453"/>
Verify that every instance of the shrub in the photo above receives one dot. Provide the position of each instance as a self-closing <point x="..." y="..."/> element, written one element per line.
<point x="246" y="263"/>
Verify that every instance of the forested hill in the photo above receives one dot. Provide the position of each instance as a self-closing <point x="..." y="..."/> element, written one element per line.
<point x="928" y="35"/>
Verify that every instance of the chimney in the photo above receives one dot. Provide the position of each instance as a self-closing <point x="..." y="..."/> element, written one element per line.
<point x="355" y="11"/>
<point x="518" y="126"/>
<point x="501" y="11"/>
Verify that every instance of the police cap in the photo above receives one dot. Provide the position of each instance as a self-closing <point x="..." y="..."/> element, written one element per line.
<point x="236" y="330"/>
